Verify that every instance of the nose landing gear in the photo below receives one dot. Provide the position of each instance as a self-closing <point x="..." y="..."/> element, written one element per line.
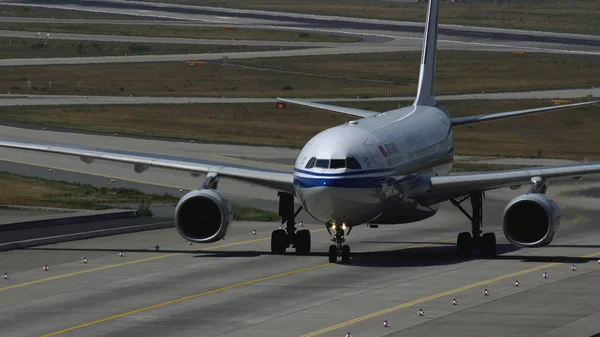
<point x="339" y="248"/>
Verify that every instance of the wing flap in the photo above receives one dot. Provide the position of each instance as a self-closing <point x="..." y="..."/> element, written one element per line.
<point x="509" y="114"/>
<point x="273" y="179"/>
<point x="441" y="188"/>
<point x="333" y="108"/>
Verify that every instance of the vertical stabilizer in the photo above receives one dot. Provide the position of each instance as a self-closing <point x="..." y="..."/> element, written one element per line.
<point x="426" y="90"/>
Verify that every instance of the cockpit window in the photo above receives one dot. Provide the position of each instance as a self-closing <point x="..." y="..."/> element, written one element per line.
<point x="322" y="163"/>
<point x="352" y="163"/>
<point x="311" y="163"/>
<point x="337" y="163"/>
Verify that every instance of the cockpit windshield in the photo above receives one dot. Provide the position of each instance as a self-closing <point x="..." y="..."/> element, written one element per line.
<point x="350" y="163"/>
<point x="322" y="163"/>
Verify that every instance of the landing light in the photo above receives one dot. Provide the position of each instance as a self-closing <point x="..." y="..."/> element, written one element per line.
<point x="332" y="226"/>
<point x="344" y="226"/>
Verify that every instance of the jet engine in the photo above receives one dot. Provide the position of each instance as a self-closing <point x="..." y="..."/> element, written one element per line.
<point x="203" y="216"/>
<point x="531" y="220"/>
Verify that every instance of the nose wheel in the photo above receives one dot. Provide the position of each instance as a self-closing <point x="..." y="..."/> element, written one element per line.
<point x="339" y="248"/>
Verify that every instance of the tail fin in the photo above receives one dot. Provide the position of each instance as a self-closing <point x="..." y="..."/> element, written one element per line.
<point x="426" y="90"/>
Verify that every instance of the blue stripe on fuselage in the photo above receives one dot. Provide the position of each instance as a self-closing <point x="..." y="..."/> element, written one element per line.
<point x="364" y="182"/>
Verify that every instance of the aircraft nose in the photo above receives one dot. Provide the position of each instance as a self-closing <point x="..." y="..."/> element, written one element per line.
<point x="339" y="205"/>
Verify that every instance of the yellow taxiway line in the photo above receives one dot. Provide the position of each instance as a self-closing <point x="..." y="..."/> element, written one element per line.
<point x="185" y="299"/>
<point x="436" y="296"/>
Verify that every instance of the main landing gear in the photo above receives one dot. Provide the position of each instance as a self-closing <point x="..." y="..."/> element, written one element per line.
<point x="281" y="238"/>
<point x="467" y="242"/>
<point x="339" y="249"/>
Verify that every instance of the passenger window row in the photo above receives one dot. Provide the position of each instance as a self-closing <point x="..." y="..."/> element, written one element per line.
<point x="349" y="162"/>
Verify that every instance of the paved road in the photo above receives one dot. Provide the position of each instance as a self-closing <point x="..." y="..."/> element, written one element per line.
<point x="236" y="288"/>
<point x="22" y="100"/>
<point x="230" y="15"/>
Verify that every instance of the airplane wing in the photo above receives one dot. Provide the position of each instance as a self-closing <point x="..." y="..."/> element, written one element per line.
<point x="509" y="114"/>
<point x="278" y="180"/>
<point x="334" y="108"/>
<point x="430" y="190"/>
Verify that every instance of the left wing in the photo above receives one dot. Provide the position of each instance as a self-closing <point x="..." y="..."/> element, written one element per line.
<point x="329" y="107"/>
<point x="278" y="180"/>
<point x="430" y="190"/>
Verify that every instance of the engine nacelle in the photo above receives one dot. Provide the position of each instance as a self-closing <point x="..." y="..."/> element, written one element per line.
<point x="203" y="216"/>
<point x="531" y="220"/>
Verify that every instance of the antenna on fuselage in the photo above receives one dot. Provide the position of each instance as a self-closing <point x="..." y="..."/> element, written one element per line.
<point x="426" y="89"/>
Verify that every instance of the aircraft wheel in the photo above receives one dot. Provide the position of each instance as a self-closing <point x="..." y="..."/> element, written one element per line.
<point x="303" y="242"/>
<point x="332" y="254"/>
<point x="463" y="244"/>
<point x="488" y="245"/>
<point x="278" y="241"/>
<point x="346" y="254"/>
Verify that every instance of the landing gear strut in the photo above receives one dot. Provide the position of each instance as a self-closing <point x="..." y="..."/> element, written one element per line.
<point x="281" y="238"/>
<point x="339" y="248"/>
<point x="467" y="242"/>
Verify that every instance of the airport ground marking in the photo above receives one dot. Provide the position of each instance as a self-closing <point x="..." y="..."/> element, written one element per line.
<point x="57" y="277"/>
<point x="182" y="299"/>
<point x="159" y="305"/>
<point x="436" y="296"/>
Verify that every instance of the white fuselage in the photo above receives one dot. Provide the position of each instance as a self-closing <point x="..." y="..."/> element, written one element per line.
<point x="362" y="171"/>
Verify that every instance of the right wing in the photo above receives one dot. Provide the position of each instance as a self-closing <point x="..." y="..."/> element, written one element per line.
<point x="429" y="190"/>
<point x="334" y="108"/>
<point x="509" y="114"/>
<point x="278" y="180"/>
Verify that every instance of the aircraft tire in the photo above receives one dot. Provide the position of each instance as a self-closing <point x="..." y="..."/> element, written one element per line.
<point x="302" y="242"/>
<point x="346" y="254"/>
<point x="332" y="254"/>
<point x="278" y="241"/>
<point x="463" y="244"/>
<point x="488" y="245"/>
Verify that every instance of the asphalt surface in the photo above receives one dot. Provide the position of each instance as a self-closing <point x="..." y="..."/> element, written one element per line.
<point x="237" y="288"/>
<point x="32" y="100"/>
<point x="332" y="22"/>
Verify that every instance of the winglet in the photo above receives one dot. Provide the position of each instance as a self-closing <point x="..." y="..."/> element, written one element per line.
<point x="426" y="90"/>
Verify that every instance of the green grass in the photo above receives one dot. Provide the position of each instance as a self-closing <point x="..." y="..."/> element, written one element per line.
<point x="30" y="191"/>
<point x="33" y="48"/>
<point x="556" y="16"/>
<point x="378" y="74"/>
<point x="241" y="213"/>
<point x="180" y="31"/>
<point x="570" y="134"/>
<point x="38" y="12"/>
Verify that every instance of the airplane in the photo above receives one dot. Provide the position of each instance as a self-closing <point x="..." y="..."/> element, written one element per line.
<point x="387" y="168"/>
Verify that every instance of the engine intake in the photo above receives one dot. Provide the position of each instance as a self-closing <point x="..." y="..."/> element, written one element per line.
<point x="203" y="216"/>
<point x="531" y="220"/>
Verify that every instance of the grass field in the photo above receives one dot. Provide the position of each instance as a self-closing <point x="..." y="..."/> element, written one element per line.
<point x="196" y="32"/>
<point x="32" y="48"/>
<point x="38" y="12"/>
<point x="568" y="134"/>
<point x="343" y="76"/>
<point x="560" y="16"/>
<point x="28" y="191"/>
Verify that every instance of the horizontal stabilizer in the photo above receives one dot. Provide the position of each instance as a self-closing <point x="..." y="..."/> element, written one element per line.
<point x="338" y="109"/>
<point x="509" y="114"/>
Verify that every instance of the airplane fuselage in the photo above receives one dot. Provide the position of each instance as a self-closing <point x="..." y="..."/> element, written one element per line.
<point x="362" y="171"/>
